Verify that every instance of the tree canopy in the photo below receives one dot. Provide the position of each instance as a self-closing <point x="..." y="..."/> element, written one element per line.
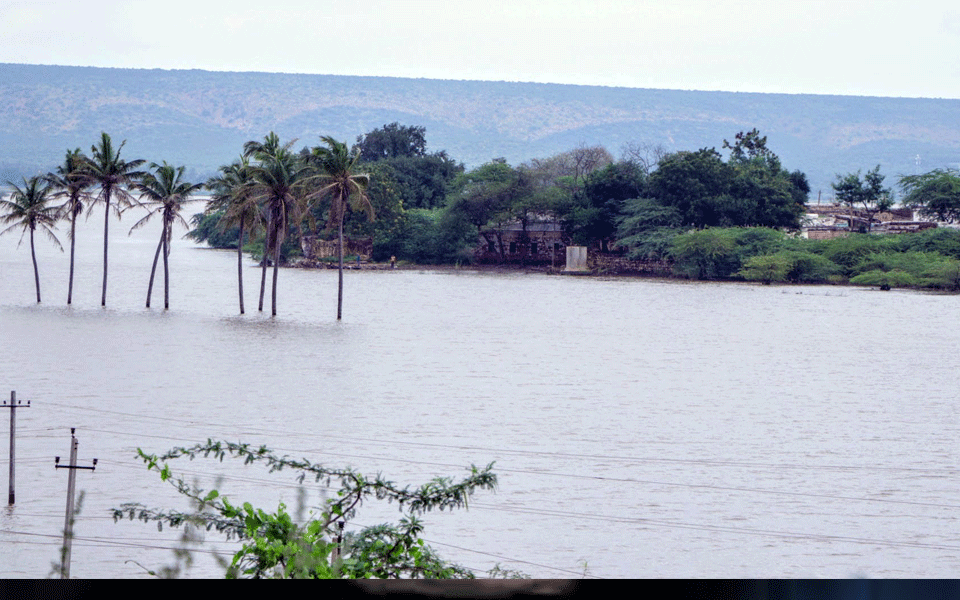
<point x="936" y="193"/>
<point x="750" y="189"/>
<point x="392" y="141"/>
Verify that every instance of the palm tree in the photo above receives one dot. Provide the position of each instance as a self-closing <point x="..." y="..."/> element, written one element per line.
<point x="72" y="181"/>
<point x="114" y="175"/>
<point x="232" y="194"/>
<point x="165" y="194"/>
<point x="345" y="189"/>
<point x="280" y="188"/>
<point x="28" y="208"/>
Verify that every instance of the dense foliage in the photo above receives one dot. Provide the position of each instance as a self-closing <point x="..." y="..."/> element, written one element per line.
<point x="936" y="193"/>
<point x="928" y="259"/>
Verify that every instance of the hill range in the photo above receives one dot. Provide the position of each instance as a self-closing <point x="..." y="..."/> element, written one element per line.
<point x="201" y="119"/>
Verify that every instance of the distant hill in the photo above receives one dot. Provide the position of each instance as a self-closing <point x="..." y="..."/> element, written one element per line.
<point x="201" y="119"/>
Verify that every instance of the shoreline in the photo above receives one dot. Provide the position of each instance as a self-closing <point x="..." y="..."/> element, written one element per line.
<point x="373" y="266"/>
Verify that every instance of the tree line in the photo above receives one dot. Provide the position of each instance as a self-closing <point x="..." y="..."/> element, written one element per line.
<point x="649" y="204"/>
<point x="698" y="211"/>
<point x="432" y="210"/>
<point x="267" y="191"/>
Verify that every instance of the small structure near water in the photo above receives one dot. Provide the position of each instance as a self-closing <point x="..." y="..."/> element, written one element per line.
<point x="314" y="248"/>
<point x="576" y="259"/>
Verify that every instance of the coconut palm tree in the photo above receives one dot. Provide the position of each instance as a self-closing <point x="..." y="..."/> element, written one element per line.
<point x="345" y="188"/>
<point x="163" y="193"/>
<point x="232" y="195"/>
<point x="280" y="187"/>
<point x="71" y="180"/>
<point x="29" y="208"/>
<point x="270" y="146"/>
<point x="114" y="176"/>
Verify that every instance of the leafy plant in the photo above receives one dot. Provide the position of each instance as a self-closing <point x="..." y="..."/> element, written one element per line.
<point x="276" y="546"/>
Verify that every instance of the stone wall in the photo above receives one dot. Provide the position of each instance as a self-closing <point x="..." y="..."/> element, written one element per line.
<point x="615" y="263"/>
<point x="314" y="248"/>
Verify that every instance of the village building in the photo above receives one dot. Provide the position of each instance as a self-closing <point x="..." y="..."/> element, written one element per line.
<point x="539" y="243"/>
<point x="828" y="221"/>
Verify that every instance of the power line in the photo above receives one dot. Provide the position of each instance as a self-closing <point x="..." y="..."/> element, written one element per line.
<point x="603" y="457"/>
<point x="723" y="528"/>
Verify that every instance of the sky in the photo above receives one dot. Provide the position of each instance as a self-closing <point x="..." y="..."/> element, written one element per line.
<point x="867" y="48"/>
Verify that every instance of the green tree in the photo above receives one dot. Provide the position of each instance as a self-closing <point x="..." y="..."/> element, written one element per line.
<point x="71" y="180"/>
<point x="767" y="268"/>
<point x="885" y="279"/>
<point x="788" y="265"/>
<point x="346" y="189"/>
<point x="849" y="251"/>
<point x="697" y="184"/>
<point x="114" y="175"/>
<point x="232" y="197"/>
<point x="599" y="207"/>
<point x="705" y="254"/>
<point x="421" y="179"/>
<point x="392" y="141"/>
<point x="944" y="240"/>
<point x="937" y="193"/>
<point x="275" y="546"/>
<point x="486" y="197"/>
<point x="749" y="146"/>
<point x="750" y="189"/>
<point x="809" y="267"/>
<point x="868" y="192"/>
<point x="163" y="192"/>
<point x="387" y="230"/>
<point x="772" y="196"/>
<point x="280" y="186"/>
<point x="29" y="209"/>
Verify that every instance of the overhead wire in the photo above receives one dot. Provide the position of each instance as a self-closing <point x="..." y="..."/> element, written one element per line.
<point x="326" y="436"/>
<point x="567" y="514"/>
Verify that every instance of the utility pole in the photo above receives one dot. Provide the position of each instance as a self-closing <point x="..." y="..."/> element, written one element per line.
<point x="11" y="496"/>
<point x="71" y="484"/>
<point x="338" y="549"/>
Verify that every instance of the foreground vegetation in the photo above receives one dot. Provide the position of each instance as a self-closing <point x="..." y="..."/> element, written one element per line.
<point x="275" y="545"/>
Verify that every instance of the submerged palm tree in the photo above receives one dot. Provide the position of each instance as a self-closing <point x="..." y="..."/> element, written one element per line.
<point x="71" y="180"/>
<point x="345" y="188"/>
<point x="232" y="194"/>
<point x="164" y="193"/>
<point x="114" y="175"/>
<point x="280" y="180"/>
<point x="29" y="208"/>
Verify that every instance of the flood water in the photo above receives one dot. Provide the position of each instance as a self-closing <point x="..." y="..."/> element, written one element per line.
<point x="640" y="428"/>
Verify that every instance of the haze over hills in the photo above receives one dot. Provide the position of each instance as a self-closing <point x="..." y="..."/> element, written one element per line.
<point x="201" y="119"/>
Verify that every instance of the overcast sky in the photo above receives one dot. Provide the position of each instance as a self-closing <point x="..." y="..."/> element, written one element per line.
<point x="867" y="47"/>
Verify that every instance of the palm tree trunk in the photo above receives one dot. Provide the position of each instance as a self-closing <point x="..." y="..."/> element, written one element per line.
<point x="36" y="272"/>
<point x="154" y="270"/>
<point x="106" y="227"/>
<point x="240" y="265"/>
<point x="276" y="269"/>
<point x="263" y="265"/>
<point x="166" y="273"/>
<point x="340" y="280"/>
<point x="73" y="243"/>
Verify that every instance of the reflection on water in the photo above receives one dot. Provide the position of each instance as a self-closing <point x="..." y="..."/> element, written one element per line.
<point x="645" y="428"/>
